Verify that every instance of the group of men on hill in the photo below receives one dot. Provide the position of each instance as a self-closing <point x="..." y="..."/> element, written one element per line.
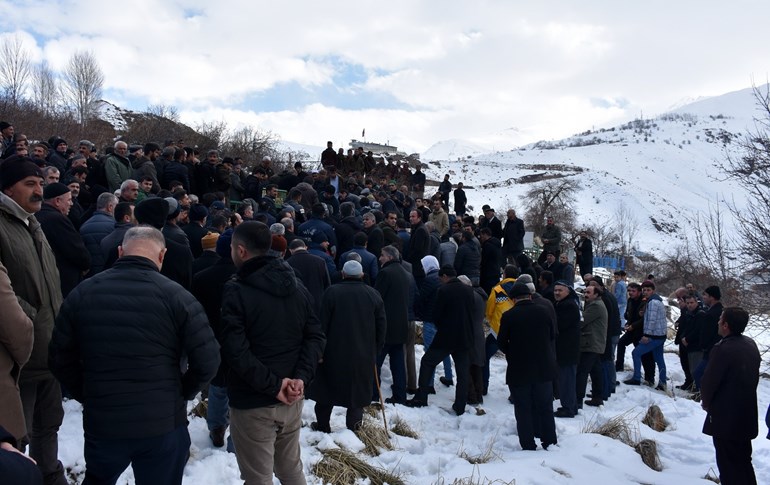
<point x="134" y="280"/>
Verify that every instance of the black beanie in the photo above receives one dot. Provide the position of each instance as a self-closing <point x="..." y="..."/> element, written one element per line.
<point x="152" y="211"/>
<point x="17" y="168"/>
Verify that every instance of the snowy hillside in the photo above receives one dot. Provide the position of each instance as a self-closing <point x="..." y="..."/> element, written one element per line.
<point x="666" y="168"/>
<point x="452" y="150"/>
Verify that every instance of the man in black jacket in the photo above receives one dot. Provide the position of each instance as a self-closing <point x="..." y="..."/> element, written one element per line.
<point x="729" y="396"/>
<point x="567" y="346"/>
<point x="513" y="234"/>
<point x="116" y="348"/>
<point x="526" y="338"/>
<point x="272" y="343"/>
<point x="453" y="316"/>
<point x="708" y="328"/>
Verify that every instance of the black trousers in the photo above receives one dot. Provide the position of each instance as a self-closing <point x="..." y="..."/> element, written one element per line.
<point x="734" y="461"/>
<point x="43" y="413"/>
<point x="160" y="459"/>
<point x="684" y="360"/>
<point x="430" y="360"/>
<point x="533" y="408"/>
<point x="587" y="365"/>
<point x="353" y="416"/>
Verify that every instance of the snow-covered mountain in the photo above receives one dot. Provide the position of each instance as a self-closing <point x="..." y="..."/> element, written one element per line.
<point x="666" y="168"/>
<point x="452" y="150"/>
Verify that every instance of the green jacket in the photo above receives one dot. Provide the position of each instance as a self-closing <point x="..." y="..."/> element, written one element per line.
<point x="593" y="329"/>
<point x="31" y="265"/>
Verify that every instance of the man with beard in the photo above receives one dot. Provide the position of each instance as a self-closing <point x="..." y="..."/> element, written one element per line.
<point x="354" y="322"/>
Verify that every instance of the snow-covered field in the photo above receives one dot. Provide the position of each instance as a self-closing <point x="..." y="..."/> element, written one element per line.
<point x="579" y="458"/>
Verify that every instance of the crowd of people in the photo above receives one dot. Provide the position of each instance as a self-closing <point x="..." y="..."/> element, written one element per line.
<point x="134" y="280"/>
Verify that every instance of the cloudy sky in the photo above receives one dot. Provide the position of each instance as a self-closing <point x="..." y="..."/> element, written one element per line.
<point x="411" y="72"/>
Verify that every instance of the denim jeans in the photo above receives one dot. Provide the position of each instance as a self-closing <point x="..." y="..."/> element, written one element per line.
<point x="608" y="369"/>
<point x="656" y="347"/>
<point x="428" y="333"/>
<point x="697" y="374"/>
<point x="218" y="412"/>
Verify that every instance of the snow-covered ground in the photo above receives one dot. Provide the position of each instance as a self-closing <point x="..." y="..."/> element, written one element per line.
<point x="686" y="454"/>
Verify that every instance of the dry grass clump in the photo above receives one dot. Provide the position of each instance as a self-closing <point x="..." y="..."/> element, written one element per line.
<point x="374" y="436"/>
<point x="655" y="419"/>
<point x="200" y="409"/>
<point x="648" y="450"/>
<point x="418" y="338"/>
<point x="402" y="428"/>
<point x="484" y="457"/>
<point x="373" y="409"/>
<point x="712" y="476"/>
<point x="342" y="467"/>
<point x="474" y="479"/>
<point x="618" y="428"/>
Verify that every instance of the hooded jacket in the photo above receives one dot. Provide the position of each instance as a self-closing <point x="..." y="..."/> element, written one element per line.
<point x="269" y="331"/>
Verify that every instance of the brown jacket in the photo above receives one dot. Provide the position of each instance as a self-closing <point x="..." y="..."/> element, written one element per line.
<point x="16" y="340"/>
<point x="31" y="266"/>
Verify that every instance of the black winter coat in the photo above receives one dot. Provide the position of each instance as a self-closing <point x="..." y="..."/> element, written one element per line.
<point x="314" y="274"/>
<point x="454" y="314"/>
<point x="513" y="235"/>
<point x="393" y="284"/>
<point x="491" y="262"/>
<point x="729" y="389"/>
<point x="477" y="354"/>
<point x="468" y="259"/>
<point x="117" y="347"/>
<point x="269" y="332"/>
<point x="207" y="287"/>
<point x="426" y="302"/>
<point x="568" y="340"/>
<point x="709" y="326"/>
<point x="526" y="338"/>
<point x="354" y="323"/>
<point x="419" y="247"/>
<point x="195" y="233"/>
<point x="72" y="257"/>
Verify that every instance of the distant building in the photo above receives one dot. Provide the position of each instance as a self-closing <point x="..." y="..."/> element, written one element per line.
<point x="375" y="148"/>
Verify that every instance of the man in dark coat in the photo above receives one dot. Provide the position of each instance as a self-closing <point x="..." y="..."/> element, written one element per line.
<point x="311" y="270"/>
<point x="124" y="220"/>
<point x="551" y="239"/>
<point x="375" y="236"/>
<point x="177" y="265"/>
<point x="729" y="396"/>
<point x="491" y="260"/>
<point x="419" y="244"/>
<point x="125" y="368"/>
<point x="72" y="257"/>
<point x="97" y="227"/>
<point x="207" y="287"/>
<point x="328" y="156"/>
<point x="354" y="322"/>
<point x="708" y="329"/>
<point x="461" y="200"/>
<point x="585" y="254"/>
<point x="196" y="229"/>
<point x="567" y="346"/>
<point x="468" y="257"/>
<point x="527" y="337"/>
<point x="513" y="236"/>
<point x="453" y="317"/>
<point x="393" y="285"/>
<point x="272" y="343"/>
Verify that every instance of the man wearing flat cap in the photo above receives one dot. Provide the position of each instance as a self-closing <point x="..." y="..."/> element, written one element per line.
<point x="72" y="256"/>
<point x="31" y="265"/>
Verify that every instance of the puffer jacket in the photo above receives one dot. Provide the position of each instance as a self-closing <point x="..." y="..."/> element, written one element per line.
<point x="269" y="331"/>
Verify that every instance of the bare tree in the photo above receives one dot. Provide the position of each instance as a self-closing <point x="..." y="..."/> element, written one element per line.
<point x="83" y="79"/>
<point x="605" y="239"/>
<point x="249" y="143"/>
<point x="551" y="198"/>
<point x="164" y="111"/>
<point x="626" y="227"/>
<point x="14" y="68"/>
<point x="46" y="94"/>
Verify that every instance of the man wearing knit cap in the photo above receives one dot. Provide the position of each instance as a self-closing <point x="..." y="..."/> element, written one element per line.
<point x="31" y="265"/>
<point x="425" y="310"/>
<point x="207" y="288"/>
<point x="353" y="318"/>
<point x="72" y="257"/>
<point x="209" y="255"/>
